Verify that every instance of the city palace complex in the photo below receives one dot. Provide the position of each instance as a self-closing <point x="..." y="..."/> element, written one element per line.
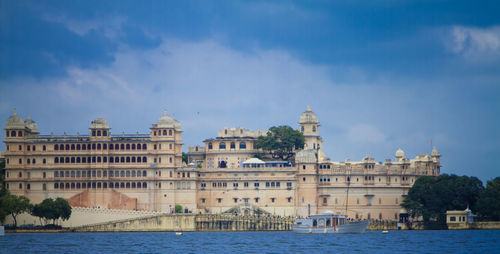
<point x="146" y="172"/>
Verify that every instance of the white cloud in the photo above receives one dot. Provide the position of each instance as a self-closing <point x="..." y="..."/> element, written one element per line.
<point x="109" y="26"/>
<point x="365" y="133"/>
<point x="475" y="43"/>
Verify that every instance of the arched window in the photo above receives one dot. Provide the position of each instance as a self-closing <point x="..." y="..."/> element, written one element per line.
<point x="164" y="132"/>
<point x="78" y="185"/>
<point x="84" y="147"/>
<point x="13" y="133"/>
<point x="133" y="185"/>
<point x="98" y="146"/>
<point x="243" y="145"/>
<point x="93" y="185"/>
<point x="89" y="146"/>
<point x="128" y="146"/>
<point x="72" y="146"/>
<point x="127" y="186"/>
<point x="56" y="160"/>
<point x="133" y="146"/>
<point x="117" y="159"/>
<point x="20" y="133"/>
<point x="93" y="146"/>
<point x="122" y="185"/>
<point x="73" y="185"/>
<point x="110" y="146"/>
<point x="122" y="173"/>
<point x="302" y="128"/>
<point x="67" y="186"/>
<point x="117" y="185"/>
<point x="104" y="133"/>
<point x="104" y="159"/>
<point x="210" y="146"/>
<point x="56" y="174"/>
<point x="61" y="147"/>
<point x="314" y="128"/>
<point x="170" y="132"/>
<point x="128" y="173"/>
<point x="72" y="159"/>
<point x="122" y="159"/>
<point x="84" y="159"/>
<point x="117" y="146"/>
<point x="133" y="159"/>
<point x="133" y="173"/>
<point x="138" y="159"/>
<point x="233" y="145"/>
<point x="105" y="185"/>
<point x="78" y="147"/>
<point x="99" y="185"/>
<point x="222" y="145"/>
<point x="122" y="147"/>
<point x="84" y="185"/>
<point x="170" y="159"/>
<point x="144" y="173"/>
<point x="99" y="133"/>
<point x="56" y="147"/>
<point x="56" y="186"/>
<point x="67" y="147"/>
<point x="98" y="159"/>
<point x="144" y="185"/>
<point x="128" y="159"/>
<point x="111" y="160"/>
<point x="144" y="147"/>
<point x="66" y="160"/>
<point x="73" y="174"/>
<point x="144" y="159"/>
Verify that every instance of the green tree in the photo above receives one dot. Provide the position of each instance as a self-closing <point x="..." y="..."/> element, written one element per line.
<point x="430" y="197"/>
<point x="50" y="209"/>
<point x="184" y="157"/>
<point x="15" y="205"/>
<point x="281" y="142"/>
<point x="3" y="191"/>
<point x="488" y="206"/>
<point x="178" y="209"/>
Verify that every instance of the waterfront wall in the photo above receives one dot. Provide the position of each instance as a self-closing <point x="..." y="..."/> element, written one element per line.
<point x="475" y="225"/>
<point x="215" y="222"/>
<point x="163" y="222"/>
<point x="83" y="216"/>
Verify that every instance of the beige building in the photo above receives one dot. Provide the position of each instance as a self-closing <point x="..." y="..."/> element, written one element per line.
<point x="145" y="172"/>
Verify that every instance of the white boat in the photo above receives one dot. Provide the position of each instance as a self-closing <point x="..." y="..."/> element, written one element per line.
<point x="329" y="223"/>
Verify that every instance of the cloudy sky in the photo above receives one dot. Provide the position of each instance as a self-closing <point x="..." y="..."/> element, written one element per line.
<point x="380" y="75"/>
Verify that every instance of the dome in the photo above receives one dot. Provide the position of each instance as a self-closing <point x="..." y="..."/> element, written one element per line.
<point x="435" y="152"/>
<point x="15" y="122"/>
<point x="166" y="121"/>
<point x="31" y="124"/>
<point x="254" y="161"/>
<point x="400" y="153"/>
<point x="368" y="158"/>
<point x="308" y="116"/>
<point x="306" y="156"/>
<point x="99" y="123"/>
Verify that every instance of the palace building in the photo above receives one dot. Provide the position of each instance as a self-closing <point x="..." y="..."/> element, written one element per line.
<point x="146" y="172"/>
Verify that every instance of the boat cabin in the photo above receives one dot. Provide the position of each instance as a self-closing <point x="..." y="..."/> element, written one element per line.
<point x="323" y="220"/>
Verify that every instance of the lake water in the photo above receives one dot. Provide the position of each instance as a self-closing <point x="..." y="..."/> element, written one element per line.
<point x="467" y="241"/>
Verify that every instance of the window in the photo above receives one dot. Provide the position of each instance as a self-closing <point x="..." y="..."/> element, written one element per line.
<point x="245" y="184"/>
<point x="235" y="200"/>
<point x="314" y="128"/>
<point x="233" y="145"/>
<point x="256" y="185"/>
<point x="219" y="200"/>
<point x="243" y="145"/>
<point x="104" y="133"/>
<point x="272" y="200"/>
<point x="222" y="145"/>
<point x="302" y="128"/>
<point x="210" y="146"/>
<point x="303" y="179"/>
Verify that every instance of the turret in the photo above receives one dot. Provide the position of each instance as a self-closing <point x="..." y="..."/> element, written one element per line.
<point x="99" y="129"/>
<point x="15" y="127"/>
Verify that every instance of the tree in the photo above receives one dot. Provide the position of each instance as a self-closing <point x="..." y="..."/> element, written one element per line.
<point x="488" y="206"/>
<point x="184" y="157"/>
<point x="15" y="205"/>
<point x="430" y="197"/>
<point x="178" y="209"/>
<point x="3" y="191"/>
<point x="50" y="209"/>
<point x="281" y="142"/>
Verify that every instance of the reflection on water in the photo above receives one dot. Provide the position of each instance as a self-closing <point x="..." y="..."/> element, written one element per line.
<point x="471" y="241"/>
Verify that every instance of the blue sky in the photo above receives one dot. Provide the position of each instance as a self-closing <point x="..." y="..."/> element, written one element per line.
<point x="380" y="75"/>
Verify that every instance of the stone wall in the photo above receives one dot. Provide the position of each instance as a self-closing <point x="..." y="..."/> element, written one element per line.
<point x="163" y="222"/>
<point x="475" y="225"/>
<point x="85" y="216"/>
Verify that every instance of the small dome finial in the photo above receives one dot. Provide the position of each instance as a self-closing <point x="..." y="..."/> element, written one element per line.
<point x="15" y="113"/>
<point x="164" y="112"/>
<point x="308" y="107"/>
